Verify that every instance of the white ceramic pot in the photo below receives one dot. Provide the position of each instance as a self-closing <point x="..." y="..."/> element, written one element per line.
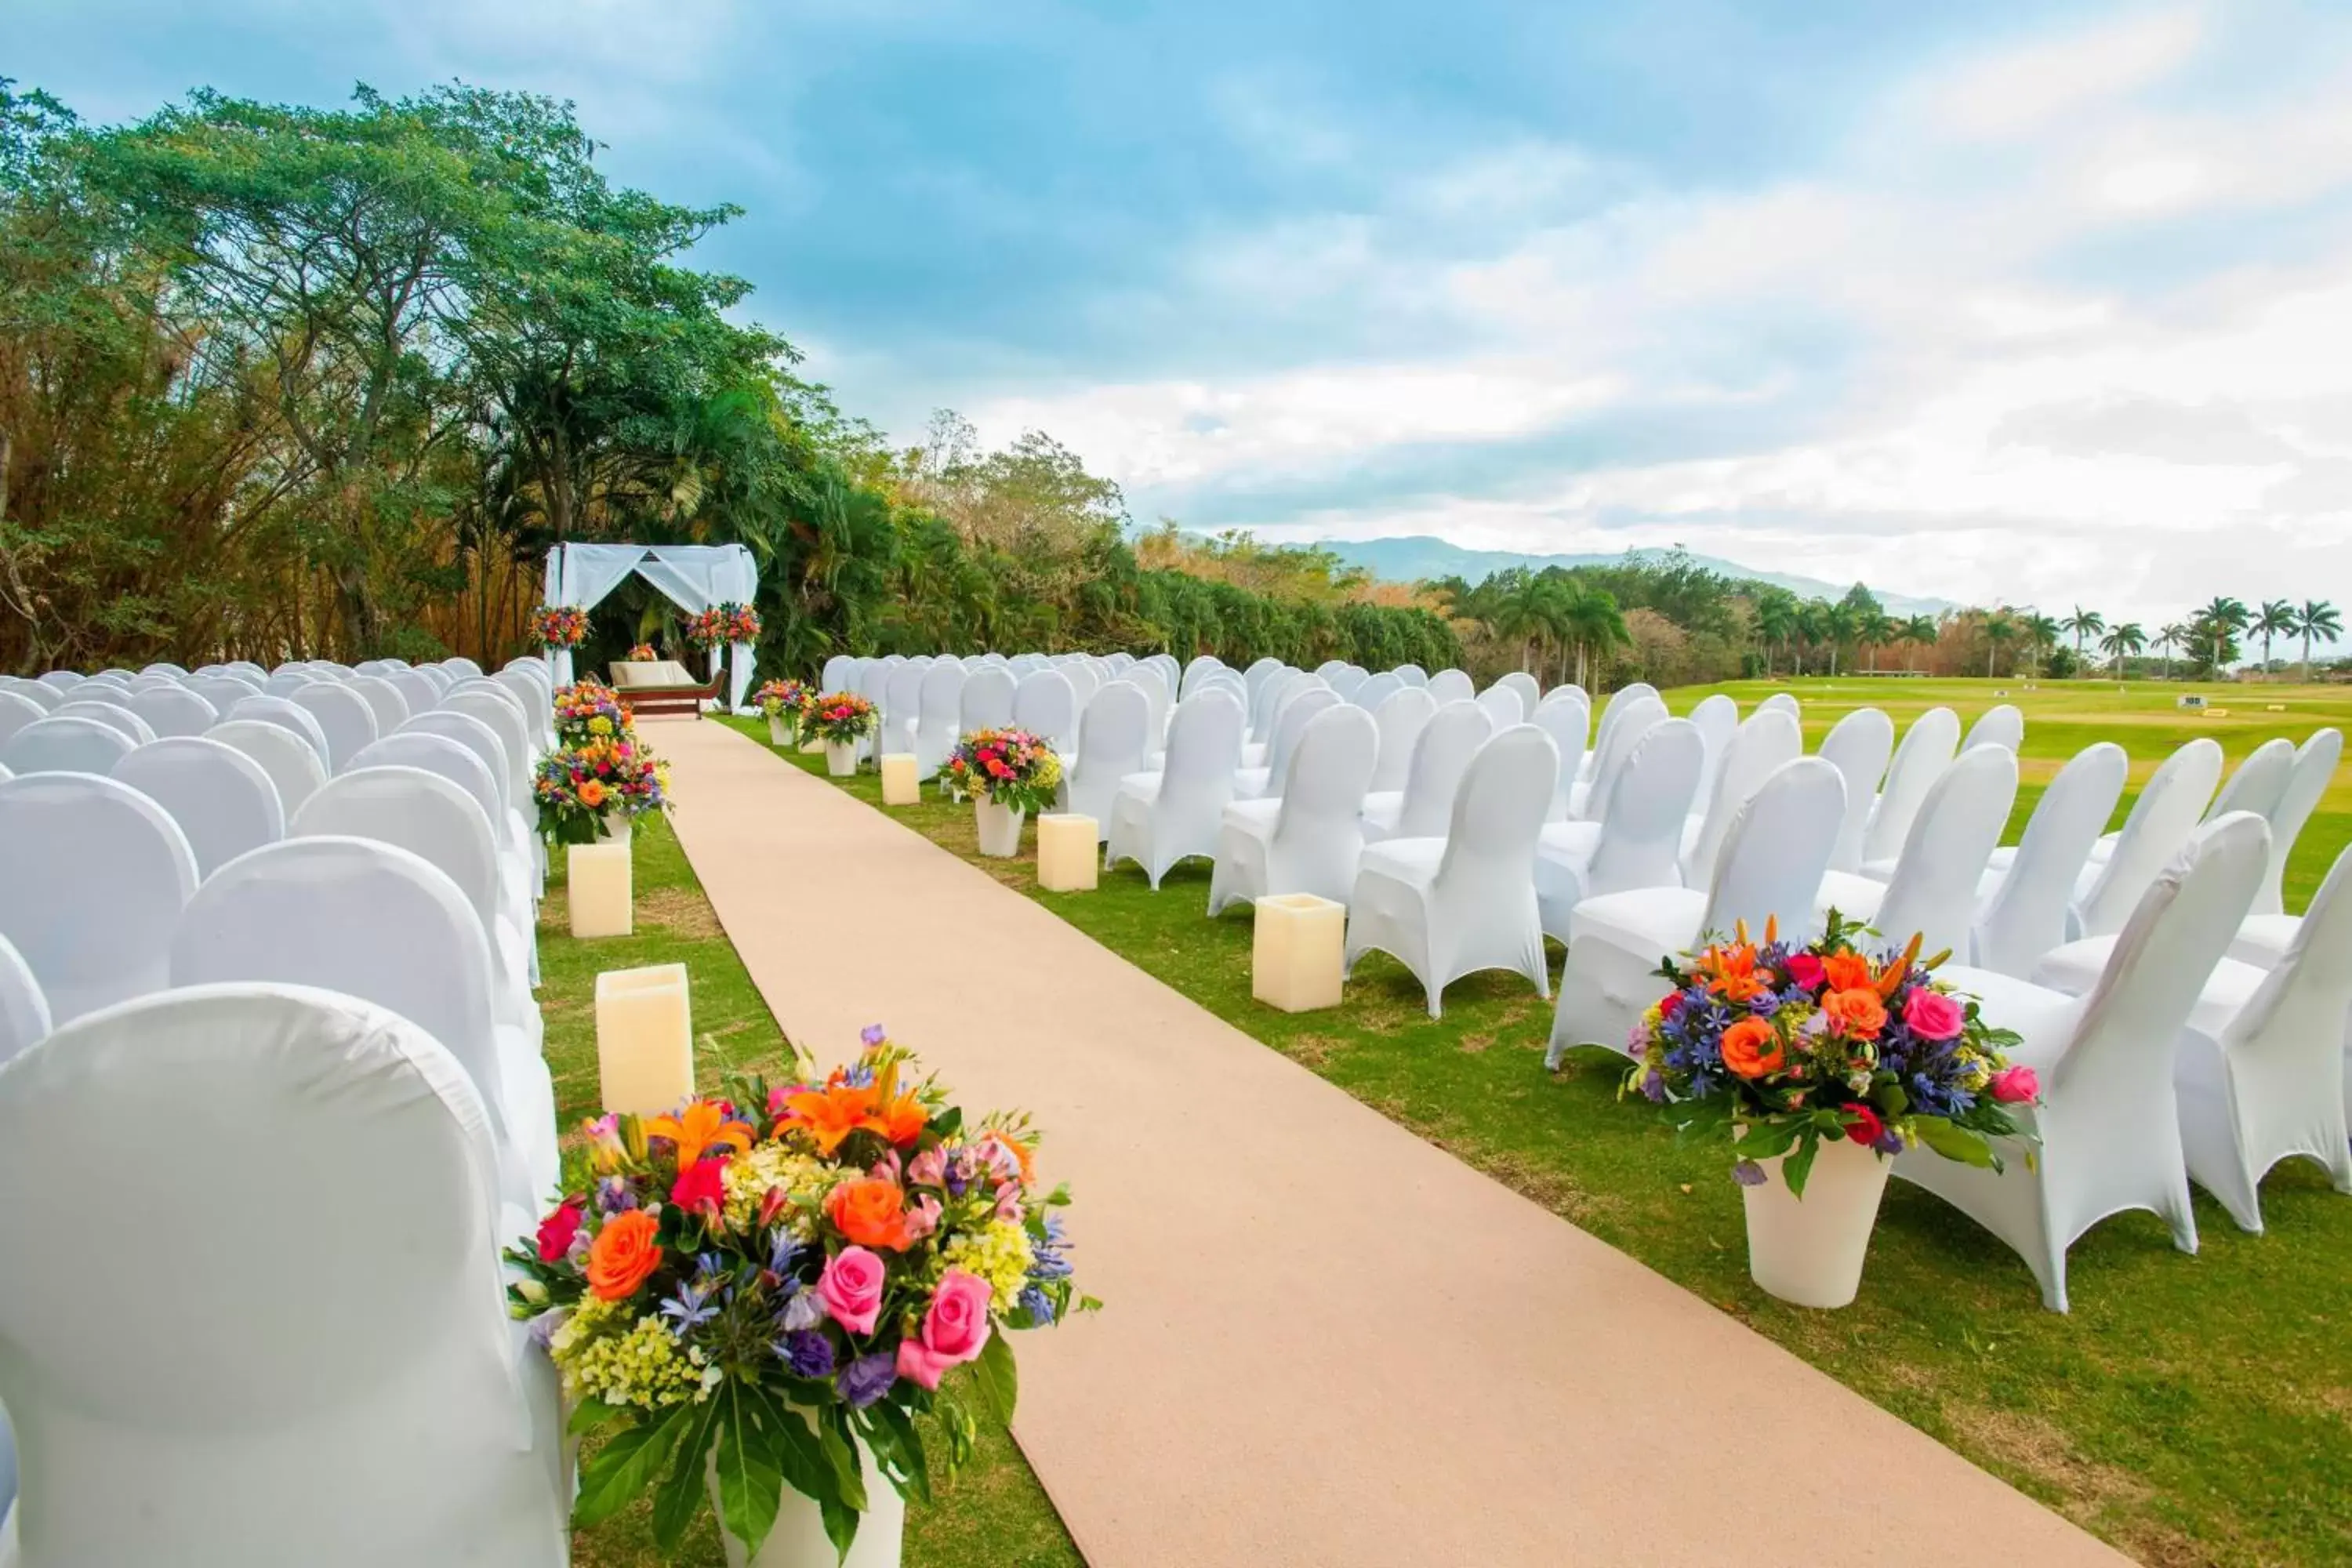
<point x="840" y="758"/>
<point x="799" y="1541"/>
<point x="615" y="828"/>
<point x="999" y="828"/>
<point x="811" y="747"/>
<point x="779" y="731"/>
<point x="1809" y="1250"/>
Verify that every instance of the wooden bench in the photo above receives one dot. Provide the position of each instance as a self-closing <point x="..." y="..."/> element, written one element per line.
<point x="671" y="699"/>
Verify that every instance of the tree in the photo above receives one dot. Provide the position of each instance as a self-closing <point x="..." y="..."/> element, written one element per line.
<point x="2083" y="623"/>
<point x="1776" y="621"/>
<point x="2218" y="625"/>
<point x="2124" y="640"/>
<point x="2278" y="617"/>
<point x="2040" y="634"/>
<point x="2316" y="619"/>
<point x="2171" y="635"/>
<point x="1920" y="631"/>
<point x="1999" y="628"/>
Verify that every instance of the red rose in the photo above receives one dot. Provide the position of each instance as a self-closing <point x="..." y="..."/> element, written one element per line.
<point x="1671" y="1005"/>
<point x="1805" y="969"/>
<point x="1863" y="1124"/>
<point x="556" y="1231"/>
<point x="699" y="1189"/>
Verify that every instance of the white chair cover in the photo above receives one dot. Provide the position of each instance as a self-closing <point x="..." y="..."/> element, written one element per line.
<point x="173" y="710"/>
<point x="1634" y="692"/>
<point x="255" y="1424"/>
<point x="222" y="799"/>
<point x="1330" y="668"/>
<point x="1927" y="749"/>
<point x="1412" y="674"/>
<point x="292" y="766"/>
<point x="1504" y="706"/>
<point x="1114" y="741"/>
<point x="902" y="707"/>
<point x="1769" y="869"/>
<point x="1374" y="691"/>
<point x="1440" y="759"/>
<point x="60" y="679"/>
<point x="1272" y="693"/>
<point x="439" y="678"/>
<point x="1307" y="840"/>
<point x="1160" y="819"/>
<point x="1530" y="690"/>
<point x="2107" y="1132"/>
<point x="515" y="831"/>
<point x="1858" y="746"/>
<point x="538" y="700"/>
<point x="64" y="743"/>
<point x="2314" y="770"/>
<point x="223" y="690"/>
<point x="45" y="698"/>
<point x="2003" y="724"/>
<point x="1786" y="702"/>
<point x="987" y="700"/>
<point x="939" y="721"/>
<point x="1717" y="718"/>
<point x="24" y="1021"/>
<point x="100" y="690"/>
<point x="92" y="875"/>
<point x="1447" y="907"/>
<point x="1639" y="844"/>
<point x="2161" y="821"/>
<point x="2025" y="915"/>
<point x="1252" y="677"/>
<point x="1620" y="728"/>
<point x="1347" y="682"/>
<point x="391" y="707"/>
<point x="1201" y="666"/>
<point x="282" y="713"/>
<point x="415" y="690"/>
<point x="1564" y="722"/>
<point x="116" y="717"/>
<point x="840" y="674"/>
<point x="1399" y="721"/>
<point x="459" y="665"/>
<point x="287" y="681"/>
<point x="2259" y="783"/>
<point x="17" y="710"/>
<point x="1298" y="709"/>
<point x="1766" y="743"/>
<point x="1451" y="686"/>
<point x="1085" y="682"/>
<point x="507" y="918"/>
<point x="1045" y="705"/>
<point x="1933" y="894"/>
<point x="344" y="716"/>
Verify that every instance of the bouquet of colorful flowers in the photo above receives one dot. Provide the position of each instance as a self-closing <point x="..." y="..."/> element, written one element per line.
<point x="742" y="623"/>
<point x="723" y="624"/>
<point x="783" y="1298"/>
<point x="577" y="786"/>
<point x="589" y="710"/>
<point x="1789" y="1044"/>
<point x="560" y="626"/>
<point x="1011" y="767"/>
<point x="786" y="700"/>
<point x="840" y="717"/>
<point x="706" y="628"/>
<point x="642" y="653"/>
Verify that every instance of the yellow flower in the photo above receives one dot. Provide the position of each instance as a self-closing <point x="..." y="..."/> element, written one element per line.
<point x="640" y="1364"/>
<point x="600" y="725"/>
<point x="748" y="1178"/>
<point x="999" y="1253"/>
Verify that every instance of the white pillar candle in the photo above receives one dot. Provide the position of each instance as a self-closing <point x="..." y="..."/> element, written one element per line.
<point x="600" y="889"/>
<point x="1296" y="951"/>
<point x="1068" y="852"/>
<point x="899" y="785"/>
<point x="645" y="1039"/>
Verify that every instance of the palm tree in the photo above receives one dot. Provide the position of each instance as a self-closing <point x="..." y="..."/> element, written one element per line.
<point x="1810" y="622"/>
<point x="1776" y="621"/>
<point x="1997" y="629"/>
<point x="1592" y="620"/>
<point x="2317" y="618"/>
<point x="2223" y="620"/>
<point x="2083" y="623"/>
<point x="2276" y="618"/>
<point x="2172" y="636"/>
<point x="1840" y="624"/>
<point x="2127" y="638"/>
<point x="1919" y="631"/>
<point x="2040" y="635"/>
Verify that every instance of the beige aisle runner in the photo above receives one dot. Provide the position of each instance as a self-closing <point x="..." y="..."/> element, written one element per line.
<point x="1324" y="1341"/>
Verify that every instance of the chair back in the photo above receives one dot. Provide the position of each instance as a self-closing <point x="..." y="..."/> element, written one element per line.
<point x="223" y="689"/>
<point x="344" y="716"/>
<point x="1440" y="758"/>
<point x="939" y="716"/>
<point x="2026" y="916"/>
<point x="1045" y="705"/>
<point x="1858" y="746"/>
<point x="1499" y="812"/>
<point x="1204" y="748"/>
<point x="282" y="713"/>
<point x="17" y="710"/>
<point x="457" y="663"/>
<point x="1623" y="724"/>
<point x="902" y="707"/>
<point x="1642" y="837"/>
<point x="1374" y="691"/>
<point x="1347" y="681"/>
<point x="1451" y="686"/>
<point x="410" y="808"/>
<point x="987" y="699"/>
<point x="1201" y="669"/>
<point x="1318" y="831"/>
<point x="417" y="689"/>
<point x="1759" y="748"/>
<point x="1412" y="675"/>
<point x="2314" y="770"/>
<point x="1717" y="718"/>
<point x="1305" y="701"/>
<point x="293" y="767"/>
<point x="1786" y="702"/>
<point x="1529" y="689"/>
<point x="1927" y="749"/>
<point x="391" y="707"/>
<point x="2161" y="820"/>
<point x="1504" y="705"/>
<point x="496" y="709"/>
<point x="448" y="724"/>
<point x="1254" y="676"/>
<point x="115" y="716"/>
<point x="2259" y="783"/>
<point x="173" y="710"/>
<point x="1114" y="740"/>
<point x="2004" y="725"/>
<point x="839" y="674"/>
<point x="94" y="875"/>
<point x="222" y="799"/>
<point x="45" y="698"/>
<point x="24" y="1011"/>
<point x="1933" y="890"/>
<point x="1564" y="722"/>
<point x="65" y="743"/>
<point x="1085" y="682"/>
<point x="285" y="681"/>
<point x="1778" y="848"/>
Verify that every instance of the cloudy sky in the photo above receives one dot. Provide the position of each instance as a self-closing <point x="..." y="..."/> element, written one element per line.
<point x="2041" y="303"/>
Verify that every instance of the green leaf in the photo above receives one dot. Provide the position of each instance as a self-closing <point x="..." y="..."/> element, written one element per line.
<point x="592" y="1414"/>
<point x="681" y="1492"/>
<point x="1799" y="1166"/>
<point x="620" y="1470"/>
<point x="751" y="1474"/>
<point x="903" y="1446"/>
<point x="997" y="1379"/>
<point x="1953" y="1142"/>
<point x="834" y="1452"/>
<point x="840" y="1526"/>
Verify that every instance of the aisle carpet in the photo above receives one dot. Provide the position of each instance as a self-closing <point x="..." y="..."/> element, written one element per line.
<point x="1325" y="1342"/>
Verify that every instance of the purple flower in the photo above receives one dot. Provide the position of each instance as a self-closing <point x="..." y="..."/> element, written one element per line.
<point x="1039" y="1305"/>
<point x="1747" y="1173"/>
<point x="804" y="1312"/>
<point x="544" y="1326"/>
<point x="1889" y="1141"/>
<point x="874" y="1033"/>
<point x="867" y="1378"/>
<point x="1654" y="1086"/>
<point x="613" y="1195"/>
<point x="808" y="1353"/>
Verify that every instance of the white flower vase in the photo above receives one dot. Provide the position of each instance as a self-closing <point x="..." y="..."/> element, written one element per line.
<point x="613" y="828"/>
<point x="1809" y="1251"/>
<point x="1000" y="827"/>
<point x="799" y="1541"/>
<point x="779" y="730"/>
<point x="840" y="758"/>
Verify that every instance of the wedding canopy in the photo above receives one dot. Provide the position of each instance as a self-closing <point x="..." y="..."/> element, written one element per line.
<point x="694" y="577"/>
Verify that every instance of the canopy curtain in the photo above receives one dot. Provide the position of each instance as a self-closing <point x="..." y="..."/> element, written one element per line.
<point x="694" y="577"/>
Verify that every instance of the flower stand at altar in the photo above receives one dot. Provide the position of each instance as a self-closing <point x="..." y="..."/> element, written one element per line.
<point x="1008" y="773"/>
<point x="999" y="828"/>
<point x="840" y="759"/>
<point x="840" y="719"/>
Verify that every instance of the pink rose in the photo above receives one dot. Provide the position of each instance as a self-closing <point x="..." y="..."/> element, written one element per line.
<point x="955" y="1330"/>
<point x="851" y="1288"/>
<point x="2015" y="1086"/>
<point x="1805" y="969"/>
<point x="1932" y="1016"/>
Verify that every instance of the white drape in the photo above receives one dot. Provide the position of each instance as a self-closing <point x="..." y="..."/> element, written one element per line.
<point x="695" y="578"/>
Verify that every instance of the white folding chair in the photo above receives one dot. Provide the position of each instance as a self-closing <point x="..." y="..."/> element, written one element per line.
<point x="65" y="743"/>
<point x="344" y="716"/>
<point x="1504" y="706"/>
<point x="2314" y="770"/>
<point x="1399" y="721"/>
<point x="1623" y="725"/>
<point x="1858" y="746"/>
<point x="1933" y="893"/>
<point x="1114" y="741"/>
<point x="1441" y="756"/>
<point x="222" y="799"/>
<point x="986" y="701"/>
<point x="117" y="717"/>
<point x="2023" y="911"/>
<point x="1757" y="750"/>
<point x="1640" y="843"/>
<point x="294" y="769"/>
<point x="1450" y="906"/>
<point x="1308" y="839"/>
<point x="92" y="875"/>
<point x="1158" y="818"/>
<point x="1045" y="705"/>
<point x="283" y="713"/>
<point x="173" y="710"/>
<point x="1298" y="710"/>
<point x="2167" y="811"/>
<point x="1451" y="686"/>
<point x="1927" y="749"/>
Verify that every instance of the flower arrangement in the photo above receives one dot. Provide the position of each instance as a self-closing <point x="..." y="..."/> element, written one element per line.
<point x="560" y="626"/>
<point x="642" y="653"/>
<point x="1789" y="1044"/>
<point x="742" y="623"/>
<point x="723" y="624"/>
<point x="1011" y="767"/>
<point x="841" y="717"/>
<point x="785" y="700"/>
<point x="589" y="710"/>
<point x="784" y="1297"/>
<point x="578" y="786"/>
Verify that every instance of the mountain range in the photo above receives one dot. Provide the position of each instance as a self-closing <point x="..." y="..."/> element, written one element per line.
<point x="1418" y="557"/>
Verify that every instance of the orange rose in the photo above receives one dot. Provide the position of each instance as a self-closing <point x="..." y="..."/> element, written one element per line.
<point x="622" y="1255"/>
<point x="1846" y="971"/>
<point x="592" y="795"/>
<point x="1858" y="1012"/>
<point x="870" y="1211"/>
<point x="1752" y="1048"/>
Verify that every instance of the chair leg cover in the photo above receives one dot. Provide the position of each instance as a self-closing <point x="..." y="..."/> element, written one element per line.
<point x="1603" y="992"/>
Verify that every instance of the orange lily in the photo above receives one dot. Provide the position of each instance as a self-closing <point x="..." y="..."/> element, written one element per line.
<point x="830" y="1114"/>
<point x="698" y="1129"/>
<point x="1731" y="972"/>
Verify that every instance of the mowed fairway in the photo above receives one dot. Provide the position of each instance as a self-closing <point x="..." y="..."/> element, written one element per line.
<point x="2062" y="717"/>
<point x="2191" y="1410"/>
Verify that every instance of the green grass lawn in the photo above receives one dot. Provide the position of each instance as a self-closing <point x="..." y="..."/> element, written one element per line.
<point x="2189" y="1410"/>
<point x="994" y="1511"/>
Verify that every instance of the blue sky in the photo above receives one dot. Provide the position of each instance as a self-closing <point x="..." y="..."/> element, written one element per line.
<point x="2032" y="303"/>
